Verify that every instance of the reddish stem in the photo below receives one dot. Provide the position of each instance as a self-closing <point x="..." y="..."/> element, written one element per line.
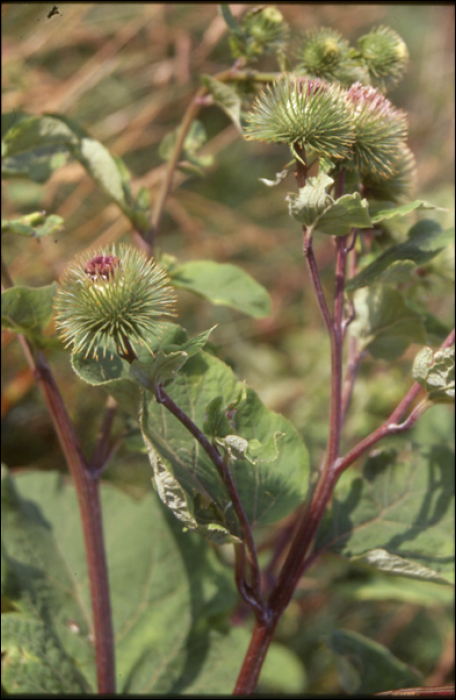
<point x="87" y="489"/>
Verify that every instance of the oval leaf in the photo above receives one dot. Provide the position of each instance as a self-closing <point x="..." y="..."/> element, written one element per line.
<point x="224" y="284"/>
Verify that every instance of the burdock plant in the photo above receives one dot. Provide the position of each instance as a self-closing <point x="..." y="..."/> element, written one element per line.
<point x="221" y="462"/>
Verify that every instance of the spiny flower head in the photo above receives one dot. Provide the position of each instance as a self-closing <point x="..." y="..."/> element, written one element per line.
<point x="306" y="112"/>
<point x="380" y="131"/>
<point x="323" y="53"/>
<point x="385" y="55"/>
<point x="109" y="296"/>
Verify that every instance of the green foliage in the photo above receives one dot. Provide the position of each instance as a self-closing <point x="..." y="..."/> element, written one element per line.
<point x="425" y="240"/>
<point x="384" y="324"/>
<point x="271" y="478"/>
<point x="28" y="311"/>
<point x="389" y="524"/>
<point x="367" y="667"/>
<point x="223" y="284"/>
<point x="398" y="515"/>
<point x="34" y="225"/>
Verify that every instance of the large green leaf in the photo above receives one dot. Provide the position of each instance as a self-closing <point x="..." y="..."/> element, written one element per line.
<point x="384" y="324"/>
<point x="398" y="516"/>
<point x="425" y="240"/>
<point x="46" y="644"/>
<point x="366" y="667"/>
<point x="28" y="310"/>
<point x="170" y="599"/>
<point x="270" y="474"/>
<point x="34" y="146"/>
<point x="222" y="283"/>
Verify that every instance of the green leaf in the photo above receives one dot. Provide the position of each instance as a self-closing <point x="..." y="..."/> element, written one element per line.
<point x="224" y="284"/>
<point x="31" y="147"/>
<point x="398" y="516"/>
<point x="435" y="372"/>
<point x="36" y="225"/>
<point x="171" y="630"/>
<point x="425" y="240"/>
<point x="46" y="644"/>
<point x="103" y="168"/>
<point x="268" y="489"/>
<point x="225" y="97"/>
<point x="384" y="324"/>
<point x="167" y="361"/>
<point x="28" y="311"/>
<point x="366" y="667"/>
<point x="390" y="212"/>
<point x="35" y="147"/>
<point x="350" y="211"/>
<point x="31" y="133"/>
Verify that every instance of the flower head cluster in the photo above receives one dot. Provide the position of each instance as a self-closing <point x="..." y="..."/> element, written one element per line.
<point x="115" y="297"/>
<point x="306" y="112"/>
<point x="380" y="131"/>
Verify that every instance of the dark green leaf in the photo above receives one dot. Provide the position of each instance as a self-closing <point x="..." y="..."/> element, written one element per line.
<point x="398" y="516"/>
<point x="33" y="133"/>
<point x="366" y="667"/>
<point x="272" y="479"/>
<point x="170" y="630"/>
<point x="224" y="284"/>
<point x="350" y="211"/>
<point x="425" y="240"/>
<point x="28" y="311"/>
<point x="384" y="324"/>
<point x="45" y="635"/>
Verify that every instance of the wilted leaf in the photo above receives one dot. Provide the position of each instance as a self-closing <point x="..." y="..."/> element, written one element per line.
<point x="435" y="372"/>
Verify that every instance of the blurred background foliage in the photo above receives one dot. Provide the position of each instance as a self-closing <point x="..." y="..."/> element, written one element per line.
<point x="127" y="72"/>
